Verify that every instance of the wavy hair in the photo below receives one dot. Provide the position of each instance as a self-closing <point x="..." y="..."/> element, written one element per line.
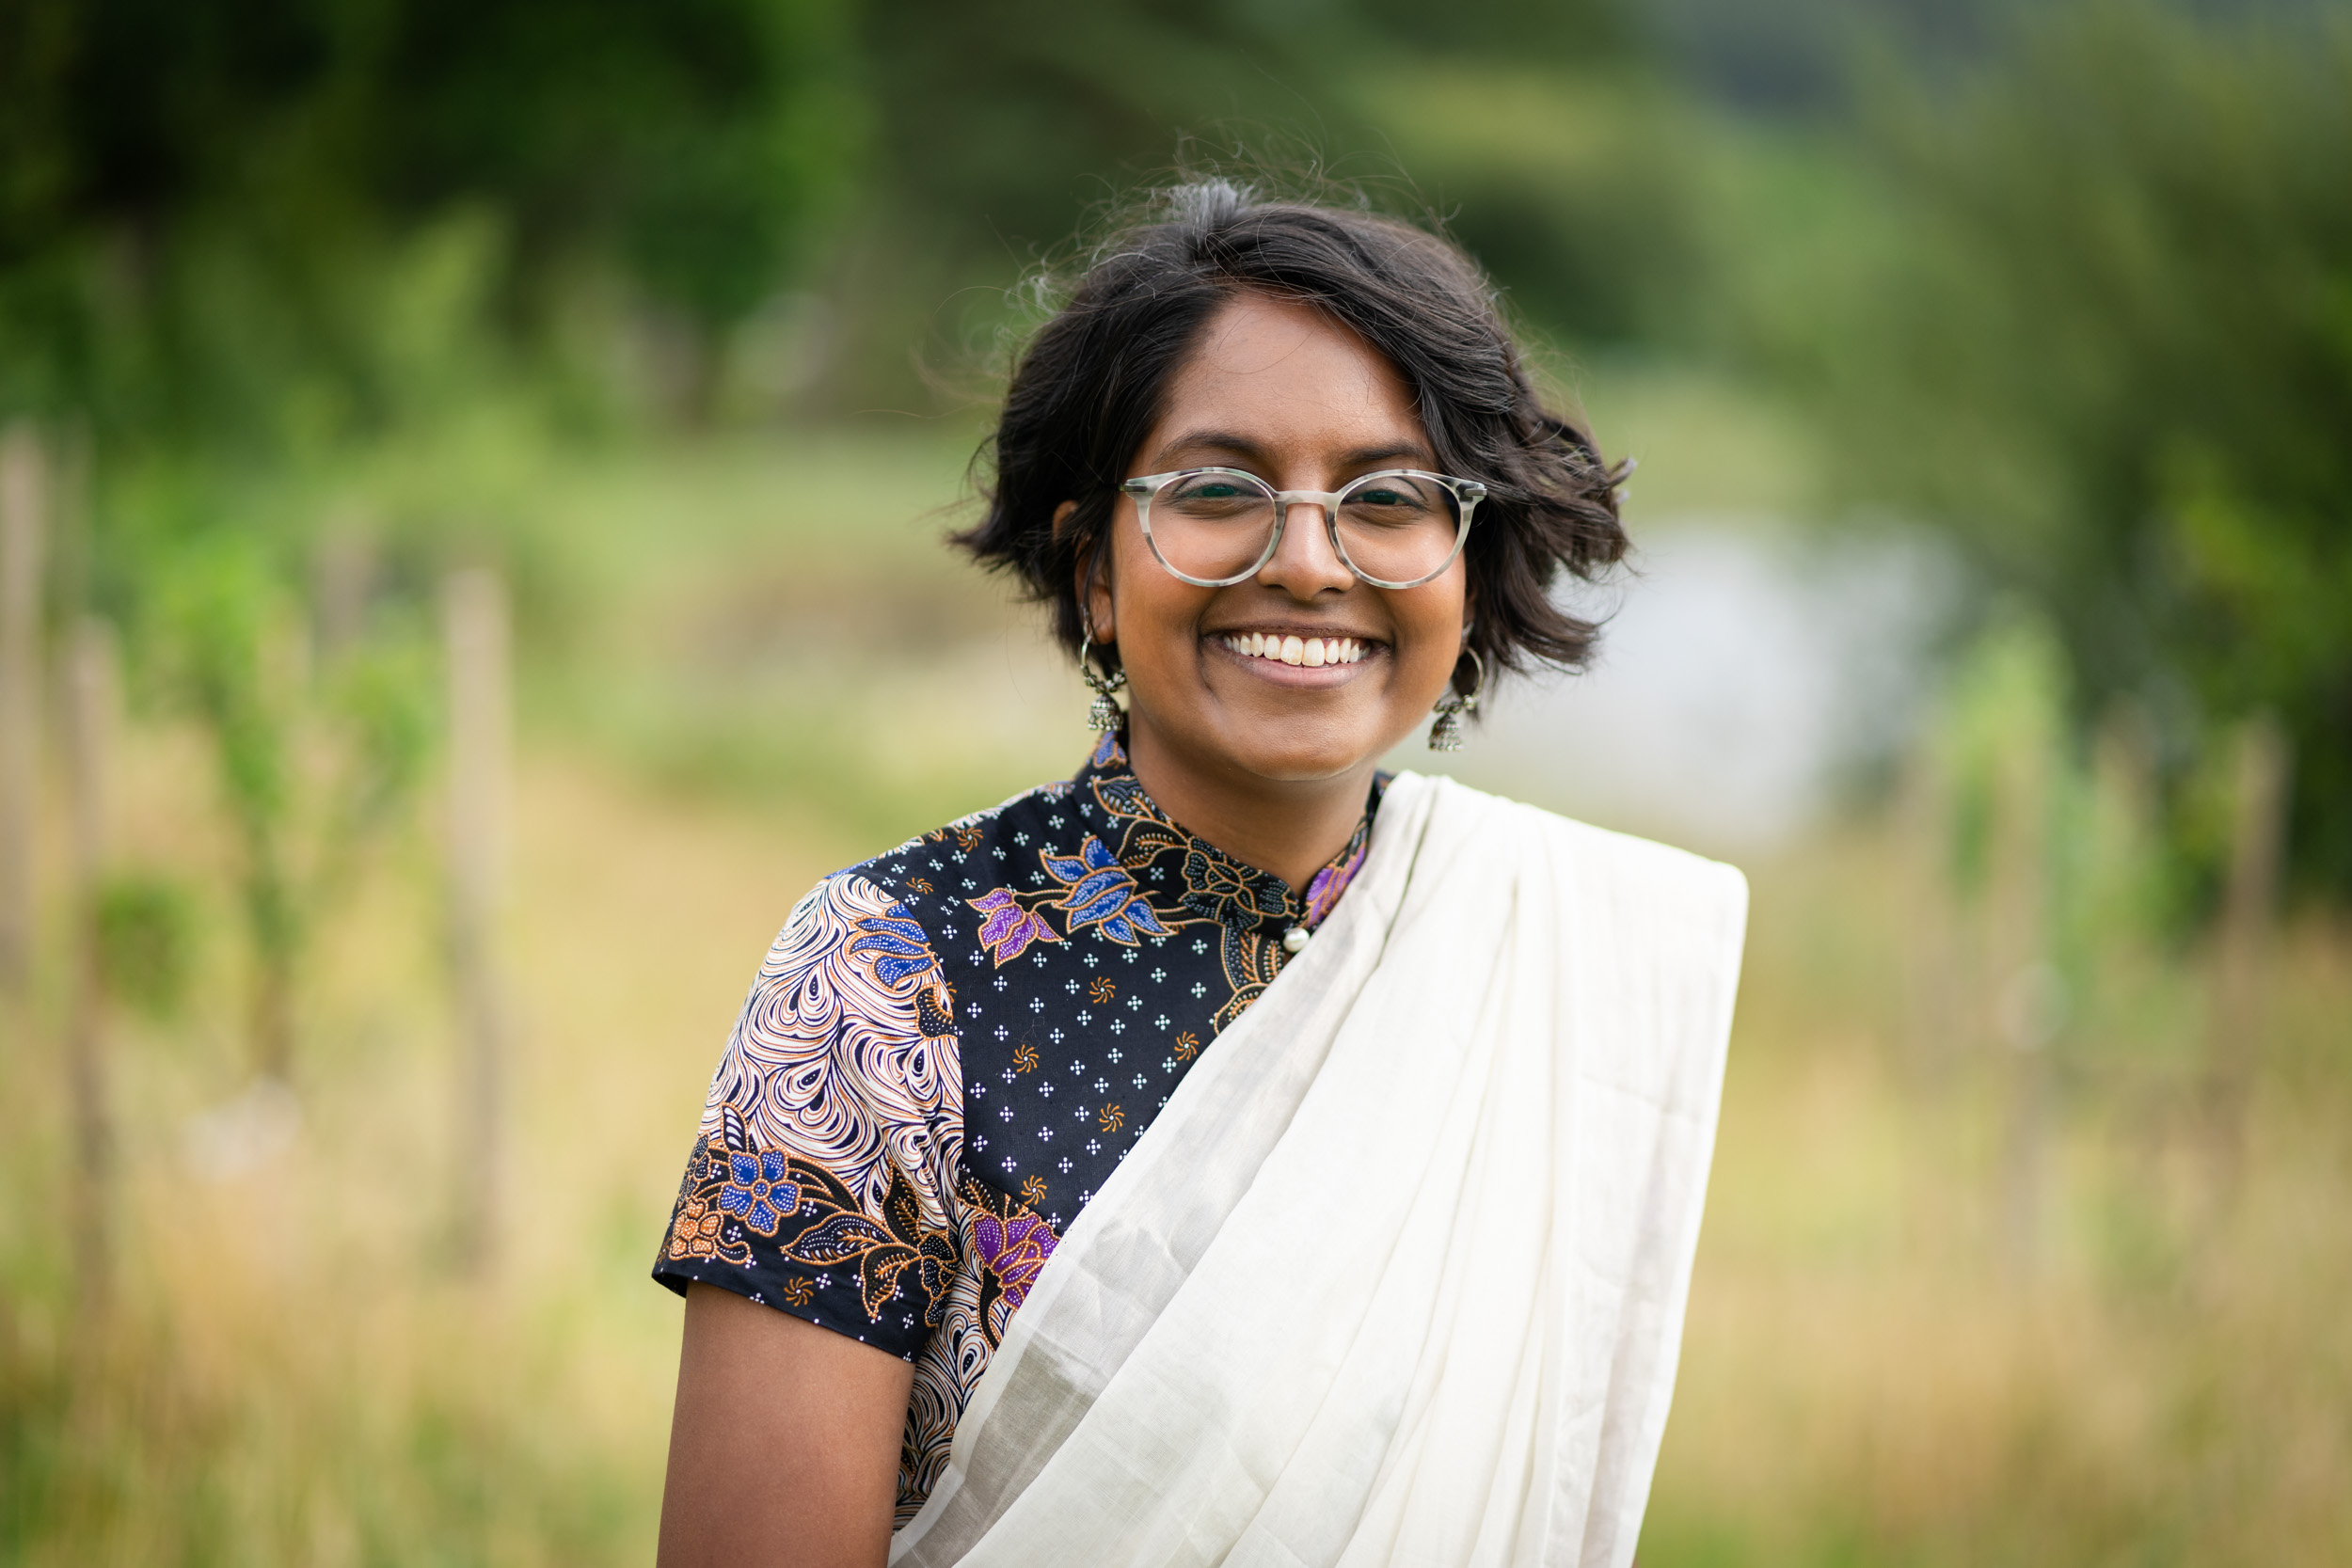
<point x="1089" y="386"/>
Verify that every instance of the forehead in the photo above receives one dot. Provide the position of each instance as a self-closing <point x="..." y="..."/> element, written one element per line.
<point x="1286" y="375"/>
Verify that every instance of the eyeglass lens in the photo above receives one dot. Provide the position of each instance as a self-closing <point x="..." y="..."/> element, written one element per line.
<point x="1397" y="528"/>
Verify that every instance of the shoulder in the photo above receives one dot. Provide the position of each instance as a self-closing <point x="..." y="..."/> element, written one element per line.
<point x="928" y="873"/>
<point x="1632" y="879"/>
<point x="865" y="939"/>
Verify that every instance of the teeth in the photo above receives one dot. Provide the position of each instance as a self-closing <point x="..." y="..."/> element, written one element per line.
<point x="1310" y="653"/>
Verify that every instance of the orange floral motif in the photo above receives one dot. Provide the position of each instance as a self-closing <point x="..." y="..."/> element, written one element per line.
<point x="1187" y="1046"/>
<point x="1033" y="1191"/>
<point x="1112" y="1118"/>
<point x="1024" y="1058"/>
<point x="919" y="885"/>
<point x="742" y="1188"/>
<point x="1101" y="989"/>
<point x="696" y="1233"/>
<point x="799" y="1292"/>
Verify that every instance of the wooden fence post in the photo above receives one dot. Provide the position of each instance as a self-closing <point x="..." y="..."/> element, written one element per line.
<point x="2259" y="776"/>
<point x="1932" y="951"/>
<point x="2028" y="1000"/>
<point x="474" y="624"/>
<point x="92" y="704"/>
<point x="24" y="518"/>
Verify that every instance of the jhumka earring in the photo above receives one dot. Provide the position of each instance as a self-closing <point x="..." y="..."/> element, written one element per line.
<point x="1446" y="734"/>
<point x="1104" y="714"/>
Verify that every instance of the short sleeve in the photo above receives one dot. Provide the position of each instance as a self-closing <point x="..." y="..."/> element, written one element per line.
<point x="821" y="1179"/>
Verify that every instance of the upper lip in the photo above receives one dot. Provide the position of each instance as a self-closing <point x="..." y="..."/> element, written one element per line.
<point x="1326" y="633"/>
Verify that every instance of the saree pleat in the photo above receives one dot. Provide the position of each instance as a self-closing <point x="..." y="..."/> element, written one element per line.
<point x="1397" y="1276"/>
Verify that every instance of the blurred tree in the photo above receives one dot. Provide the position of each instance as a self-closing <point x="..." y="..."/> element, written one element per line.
<point x="160" y="163"/>
<point x="312" y="765"/>
<point x="204" y="204"/>
<point x="999" y="123"/>
<point x="2105" y="338"/>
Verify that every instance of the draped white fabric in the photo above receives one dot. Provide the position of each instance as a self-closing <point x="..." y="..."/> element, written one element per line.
<point x="1398" y="1275"/>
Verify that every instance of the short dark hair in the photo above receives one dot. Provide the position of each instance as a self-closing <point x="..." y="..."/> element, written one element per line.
<point x="1088" y="390"/>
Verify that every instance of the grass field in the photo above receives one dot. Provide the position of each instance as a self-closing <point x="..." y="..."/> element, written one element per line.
<point x="291" y="1371"/>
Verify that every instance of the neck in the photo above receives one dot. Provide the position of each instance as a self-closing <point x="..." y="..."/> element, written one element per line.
<point x="1291" y="828"/>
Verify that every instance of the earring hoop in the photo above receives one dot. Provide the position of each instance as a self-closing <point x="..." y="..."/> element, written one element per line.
<point x="1446" y="734"/>
<point x="1102" y="714"/>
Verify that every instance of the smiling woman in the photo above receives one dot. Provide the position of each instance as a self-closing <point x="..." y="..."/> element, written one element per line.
<point x="988" y="1257"/>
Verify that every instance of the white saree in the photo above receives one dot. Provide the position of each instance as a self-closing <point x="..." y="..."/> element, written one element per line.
<point x="1398" y="1275"/>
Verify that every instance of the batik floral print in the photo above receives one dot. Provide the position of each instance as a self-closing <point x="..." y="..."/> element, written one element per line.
<point x="948" y="1051"/>
<point x="1102" y="893"/>
<point x="813" y="1218"/>
<point x="1009" y="928"/>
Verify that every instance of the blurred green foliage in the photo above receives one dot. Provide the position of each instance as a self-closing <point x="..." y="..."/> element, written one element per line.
<point x="309" y="763"/>
<point x="205" y="204"/>
<point x="2099" y="330"/>
<point x="2070" y="287"/>
<point x="146" y="935"/>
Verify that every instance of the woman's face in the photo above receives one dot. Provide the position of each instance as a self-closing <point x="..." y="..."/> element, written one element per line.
<point x="1280" y="390"/>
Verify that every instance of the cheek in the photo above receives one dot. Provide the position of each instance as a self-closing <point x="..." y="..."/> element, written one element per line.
<point x="1429" y="620"/>
<point x="1155" y="612"/>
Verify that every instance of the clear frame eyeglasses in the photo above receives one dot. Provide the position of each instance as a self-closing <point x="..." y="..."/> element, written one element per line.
<point x="1215" y="526"/>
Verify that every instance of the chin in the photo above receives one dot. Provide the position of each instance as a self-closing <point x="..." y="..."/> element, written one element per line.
<point x="1296" y="750"/>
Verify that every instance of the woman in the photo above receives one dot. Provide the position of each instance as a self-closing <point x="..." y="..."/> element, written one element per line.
<point x="1229" y="1154"/>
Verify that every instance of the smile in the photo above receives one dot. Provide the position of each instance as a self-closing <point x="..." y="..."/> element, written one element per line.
<point x="1311" y="652"/>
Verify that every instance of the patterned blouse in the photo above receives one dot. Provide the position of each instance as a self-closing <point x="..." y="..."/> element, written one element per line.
<point x="950" y="1049"/>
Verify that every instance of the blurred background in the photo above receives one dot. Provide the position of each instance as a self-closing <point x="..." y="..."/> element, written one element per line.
<point x="470" y="509"/>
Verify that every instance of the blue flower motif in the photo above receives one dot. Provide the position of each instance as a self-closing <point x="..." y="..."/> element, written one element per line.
<point x="899" y="942"/>
<point x="1102" y="894"/>
<point x="758" y="1191"/>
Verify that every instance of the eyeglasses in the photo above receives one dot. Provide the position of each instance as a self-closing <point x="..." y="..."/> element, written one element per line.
<point x="1215" y="526"/>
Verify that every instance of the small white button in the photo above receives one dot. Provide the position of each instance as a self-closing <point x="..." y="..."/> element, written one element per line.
<point x="1294" y="939"/>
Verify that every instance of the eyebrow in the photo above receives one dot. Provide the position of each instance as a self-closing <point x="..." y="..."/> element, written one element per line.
<point x="1244" y="448"/>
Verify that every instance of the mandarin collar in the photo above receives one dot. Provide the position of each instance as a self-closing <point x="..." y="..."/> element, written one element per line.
<point x="1208" y="881"/>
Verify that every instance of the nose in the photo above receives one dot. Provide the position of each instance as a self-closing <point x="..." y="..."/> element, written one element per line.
<point x="1304" y="563"/>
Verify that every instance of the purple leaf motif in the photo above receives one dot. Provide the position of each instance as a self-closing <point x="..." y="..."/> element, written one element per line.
<point x="1009" y="930"/>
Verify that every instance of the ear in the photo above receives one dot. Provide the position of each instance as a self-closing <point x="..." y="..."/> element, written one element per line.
<point x="1093" y="586"/>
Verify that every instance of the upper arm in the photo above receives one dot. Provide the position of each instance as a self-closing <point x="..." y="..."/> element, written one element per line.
<point x="810" y="1236"/>
<point x="784" y="1445"/>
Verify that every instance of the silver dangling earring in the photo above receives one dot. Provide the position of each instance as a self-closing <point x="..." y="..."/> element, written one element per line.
<point x="1104" y="714"/>
<point x="1446" y="734"/>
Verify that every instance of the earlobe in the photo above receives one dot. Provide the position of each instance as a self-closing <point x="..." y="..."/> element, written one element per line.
<point x="1094" y="601"/>
<point x="1094" y="595"/>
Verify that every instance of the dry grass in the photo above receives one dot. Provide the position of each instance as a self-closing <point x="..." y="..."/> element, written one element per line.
<point x="293" y="1374"/>
<point x="1867" y="1379"/>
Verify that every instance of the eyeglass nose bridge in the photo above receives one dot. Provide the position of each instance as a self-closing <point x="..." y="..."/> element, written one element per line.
<point x="1329" y="501"/>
